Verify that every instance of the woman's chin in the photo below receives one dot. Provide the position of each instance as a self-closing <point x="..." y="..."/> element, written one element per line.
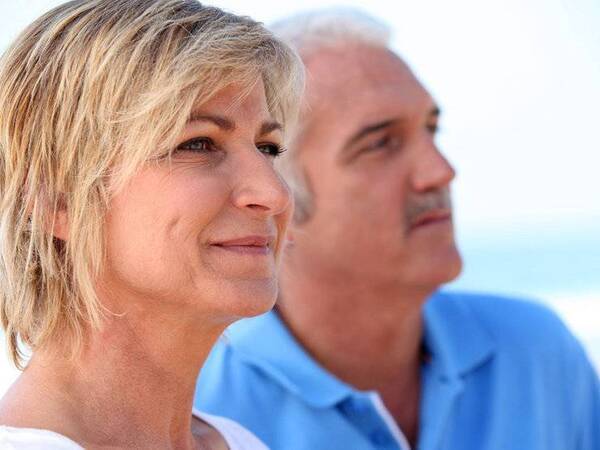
<point x="249" y="298"/>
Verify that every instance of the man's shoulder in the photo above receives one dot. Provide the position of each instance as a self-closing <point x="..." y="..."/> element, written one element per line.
<point x="513" y="323"/>
<point x="230" y="372"/>
<point x="224" y="366"/>
<point x="500" y="309"/>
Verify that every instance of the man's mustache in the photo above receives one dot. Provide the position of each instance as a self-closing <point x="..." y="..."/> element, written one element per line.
<point x="419" y="204"/>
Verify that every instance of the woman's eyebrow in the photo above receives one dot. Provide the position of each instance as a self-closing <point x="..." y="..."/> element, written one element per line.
<point x="229" y="125"/>
<point x="220" y="121"/>
<point x="268" y="127"/>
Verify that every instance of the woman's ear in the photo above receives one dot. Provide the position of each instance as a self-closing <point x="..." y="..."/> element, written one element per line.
<point x="60" y="230"/>
<point x="58" y="223"/>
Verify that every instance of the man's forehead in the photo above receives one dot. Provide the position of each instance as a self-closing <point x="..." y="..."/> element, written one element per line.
<point x="356" y="63"/>
<point x="351" y="87"/>
<point x="354" y="83"/>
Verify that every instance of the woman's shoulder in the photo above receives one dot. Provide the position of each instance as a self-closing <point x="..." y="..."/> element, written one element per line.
<point x="236" y="436"/>
<point x="14" y="438"/>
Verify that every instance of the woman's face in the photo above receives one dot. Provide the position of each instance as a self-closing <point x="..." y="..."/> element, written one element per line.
<point x="202" y="232"/>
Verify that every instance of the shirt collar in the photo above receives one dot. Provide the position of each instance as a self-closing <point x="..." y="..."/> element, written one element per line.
<point x="266" y="342"/>
<point x="455" y="337"/>
<point x="458" y="343"/>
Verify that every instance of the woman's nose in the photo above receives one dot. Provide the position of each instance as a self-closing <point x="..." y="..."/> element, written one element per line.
<point x="259" y="188"/>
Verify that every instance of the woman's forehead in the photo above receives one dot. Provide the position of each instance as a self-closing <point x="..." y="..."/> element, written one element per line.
<point x="234" y="103"/>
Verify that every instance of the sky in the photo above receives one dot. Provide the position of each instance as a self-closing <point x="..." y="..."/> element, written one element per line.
<point x="519" y="86"/>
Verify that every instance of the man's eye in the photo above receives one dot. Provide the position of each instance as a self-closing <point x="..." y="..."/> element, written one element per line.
<point x="384" y="143"/>
<point x="197" y="145"/>
<point x="270" y="149"/>
<point x="433" y="128"/>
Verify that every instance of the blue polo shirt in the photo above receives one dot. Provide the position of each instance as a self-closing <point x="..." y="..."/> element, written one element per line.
<point x="503" y="374"/>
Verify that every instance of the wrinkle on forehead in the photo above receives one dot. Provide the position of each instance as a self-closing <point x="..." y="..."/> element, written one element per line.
<point x="236" y="101"/>
<point x="356" y="68"/>
<point x="352" y="85"/>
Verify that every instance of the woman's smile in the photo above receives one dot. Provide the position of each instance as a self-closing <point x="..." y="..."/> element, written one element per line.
<point x="251" y="245"/>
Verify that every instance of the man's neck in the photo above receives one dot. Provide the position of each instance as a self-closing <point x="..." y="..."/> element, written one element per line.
<point x="368" y="336"/>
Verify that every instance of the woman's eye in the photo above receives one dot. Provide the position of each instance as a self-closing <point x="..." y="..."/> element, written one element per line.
<point x="196" y="145"/>
<point x="270" y="149"/>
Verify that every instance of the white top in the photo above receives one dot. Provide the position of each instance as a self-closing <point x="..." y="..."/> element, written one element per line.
<point x="236" y="436"/>
<point x="11" y="438"/>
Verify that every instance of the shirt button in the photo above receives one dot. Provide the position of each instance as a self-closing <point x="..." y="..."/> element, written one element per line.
<point x="380" y="437"/>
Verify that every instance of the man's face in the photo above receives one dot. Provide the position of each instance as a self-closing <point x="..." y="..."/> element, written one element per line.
<point x="380" y="186"/>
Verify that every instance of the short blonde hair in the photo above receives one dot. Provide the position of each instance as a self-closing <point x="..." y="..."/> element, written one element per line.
<point x="89" y="92"/>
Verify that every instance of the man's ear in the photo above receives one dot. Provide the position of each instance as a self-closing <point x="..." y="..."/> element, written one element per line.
<point x="289" y="237"/>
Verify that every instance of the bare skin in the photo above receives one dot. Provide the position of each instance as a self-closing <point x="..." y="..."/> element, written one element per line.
<point x="365" y="260"/>
<point x="147" y="402"/>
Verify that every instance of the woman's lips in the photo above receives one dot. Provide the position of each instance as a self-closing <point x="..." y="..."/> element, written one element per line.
<point x="247" y="245"/>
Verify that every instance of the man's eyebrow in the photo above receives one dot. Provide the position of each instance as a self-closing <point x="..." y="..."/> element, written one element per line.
<point x="365" y="131"/>
<point x="220" y="121"/>
<point x="372" y="128"/>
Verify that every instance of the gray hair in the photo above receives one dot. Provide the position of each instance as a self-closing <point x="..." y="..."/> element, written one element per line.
<point x="307" y="32"/>
<point x="310" y="30"/>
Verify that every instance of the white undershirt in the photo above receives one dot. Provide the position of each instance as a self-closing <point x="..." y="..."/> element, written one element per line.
<point x="389" y="421"/>
<point x="12" y="438"/>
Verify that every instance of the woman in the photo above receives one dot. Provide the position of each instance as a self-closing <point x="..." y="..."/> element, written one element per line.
<point x="140" y="215"/>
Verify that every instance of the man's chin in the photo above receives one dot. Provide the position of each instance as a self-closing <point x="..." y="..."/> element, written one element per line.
<point x="453" y="268"/>
<point x="455" y="272"/>
<point x="441" y="269"/>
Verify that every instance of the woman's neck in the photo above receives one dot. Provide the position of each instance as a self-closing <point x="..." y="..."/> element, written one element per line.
<point x="132" y="385"/>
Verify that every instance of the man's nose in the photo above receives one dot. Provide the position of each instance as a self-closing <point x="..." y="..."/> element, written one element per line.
<point x="259" y="189"/>
<point x="431" y="170"/>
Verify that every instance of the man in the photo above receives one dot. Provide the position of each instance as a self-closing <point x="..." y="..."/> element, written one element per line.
<point x="363" y="352"/>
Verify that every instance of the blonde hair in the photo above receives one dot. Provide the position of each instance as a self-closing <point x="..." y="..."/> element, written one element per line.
<point x="88" y="93"/>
